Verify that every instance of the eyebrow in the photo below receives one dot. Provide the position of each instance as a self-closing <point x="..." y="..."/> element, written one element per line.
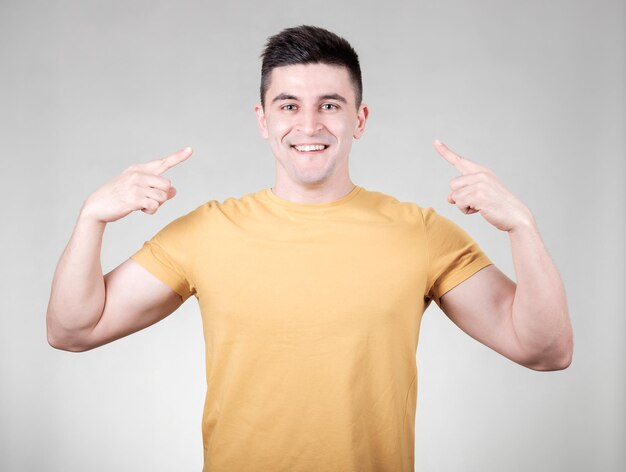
<point x="329" y="96"/>
<point x="284" y="96"/>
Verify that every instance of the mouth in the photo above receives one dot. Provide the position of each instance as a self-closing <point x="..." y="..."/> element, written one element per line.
<point x="309" y="148"/>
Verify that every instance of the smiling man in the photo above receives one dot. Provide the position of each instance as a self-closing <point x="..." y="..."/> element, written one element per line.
<point x="312" y="291"/>
<point x="311" y="118"/>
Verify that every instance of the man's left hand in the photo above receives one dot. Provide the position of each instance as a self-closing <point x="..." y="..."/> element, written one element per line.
<point x="478" y="190"/>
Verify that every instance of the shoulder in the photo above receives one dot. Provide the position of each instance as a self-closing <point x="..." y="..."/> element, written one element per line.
<point x="216" y="208"/>
<point x="202" y="215"/>
<point x="424" y="219"/>
<point x="389" y="207"/>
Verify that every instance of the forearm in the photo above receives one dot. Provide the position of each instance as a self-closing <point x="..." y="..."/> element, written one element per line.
<point x="539" y="312"/>
<point x="78" y="290"/>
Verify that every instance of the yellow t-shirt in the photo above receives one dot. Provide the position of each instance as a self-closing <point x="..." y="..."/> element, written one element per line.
<point x="311" y="316"/>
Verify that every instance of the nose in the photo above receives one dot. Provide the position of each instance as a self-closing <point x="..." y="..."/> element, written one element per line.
<point x="309" y="122"/>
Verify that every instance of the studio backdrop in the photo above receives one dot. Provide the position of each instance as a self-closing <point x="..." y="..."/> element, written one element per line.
<point x="534" y="90"/>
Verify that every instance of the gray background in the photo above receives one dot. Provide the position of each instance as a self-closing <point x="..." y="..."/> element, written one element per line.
<point x="534" y="90"/>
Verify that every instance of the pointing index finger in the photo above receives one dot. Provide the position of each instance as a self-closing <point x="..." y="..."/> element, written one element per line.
<point x="159" y="166"/>
<point x="457" y="161"/>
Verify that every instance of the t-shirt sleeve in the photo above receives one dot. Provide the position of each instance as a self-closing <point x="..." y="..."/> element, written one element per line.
<point x="453" y="256"/>
<point x="169" y="256"/>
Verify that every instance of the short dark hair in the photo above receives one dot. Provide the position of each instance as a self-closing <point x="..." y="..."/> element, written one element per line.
<point x="309" y="45"/>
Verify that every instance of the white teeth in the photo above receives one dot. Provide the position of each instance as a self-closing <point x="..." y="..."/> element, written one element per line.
<point x="310" y="147"/>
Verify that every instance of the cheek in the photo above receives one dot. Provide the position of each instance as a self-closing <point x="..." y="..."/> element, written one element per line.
<point x="277" y="129"/>
<point x="344" y="130"/>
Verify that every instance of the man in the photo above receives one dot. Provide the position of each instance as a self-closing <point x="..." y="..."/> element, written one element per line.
<point x="312" y="292"/>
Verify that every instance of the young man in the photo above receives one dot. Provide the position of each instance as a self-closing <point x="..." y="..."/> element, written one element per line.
<point x="312" y="292"/>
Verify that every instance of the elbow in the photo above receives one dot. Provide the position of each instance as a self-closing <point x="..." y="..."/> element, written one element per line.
<point x="567" y="355"/>
<point x="557" y="358"/>
<point x="64" y="344"/>
<point x="64" y="341"/>
<point x="553" y="363"/>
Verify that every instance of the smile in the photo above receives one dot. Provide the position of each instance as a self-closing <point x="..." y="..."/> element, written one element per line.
<point x="309" y="147"/>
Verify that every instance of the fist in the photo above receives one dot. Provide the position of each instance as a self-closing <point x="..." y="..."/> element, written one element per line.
<point x="140" y="187"/>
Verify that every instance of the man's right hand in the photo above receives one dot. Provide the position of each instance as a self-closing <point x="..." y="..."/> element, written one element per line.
<point x="87" y="309"/>
<point x="140" y="187"/>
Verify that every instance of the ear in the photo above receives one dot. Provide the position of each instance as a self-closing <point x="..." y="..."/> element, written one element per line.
<point x="361" y="117"/>
<point x="260" y="117"/>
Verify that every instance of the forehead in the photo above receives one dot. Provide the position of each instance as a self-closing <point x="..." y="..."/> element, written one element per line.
<point x="310" y="80"/>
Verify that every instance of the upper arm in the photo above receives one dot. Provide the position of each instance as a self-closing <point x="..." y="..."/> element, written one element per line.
<point x="481" y="306"/>
<point x="135" y="299"/>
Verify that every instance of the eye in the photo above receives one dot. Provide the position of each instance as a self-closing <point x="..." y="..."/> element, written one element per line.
<point x="329" y="106"/>
<point x="289" y="107"/>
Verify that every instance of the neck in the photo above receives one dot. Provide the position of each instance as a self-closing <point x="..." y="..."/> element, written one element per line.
<point x="312" y="193"/>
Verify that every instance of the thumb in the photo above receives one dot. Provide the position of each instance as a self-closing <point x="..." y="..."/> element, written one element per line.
<point x="171" y="193"/>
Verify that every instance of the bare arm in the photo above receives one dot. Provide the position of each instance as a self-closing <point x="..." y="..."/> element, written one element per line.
<point x="86" y="308"/>
<point x="527" y="322"/>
